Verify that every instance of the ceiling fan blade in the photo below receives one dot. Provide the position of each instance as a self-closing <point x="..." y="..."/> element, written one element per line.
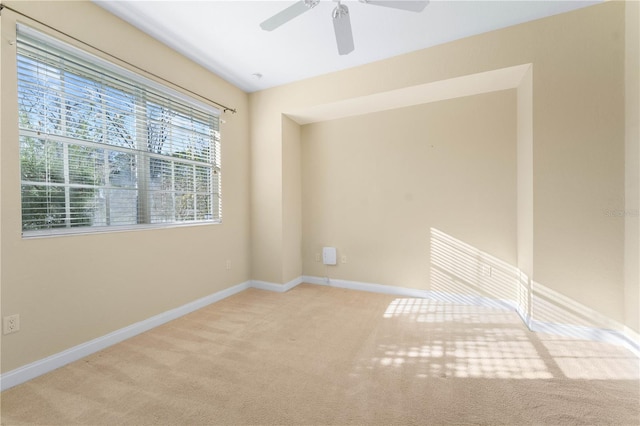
<point x="288" y="14"/>
<point x="410" y="5"/>
<point x="342" y="28"/>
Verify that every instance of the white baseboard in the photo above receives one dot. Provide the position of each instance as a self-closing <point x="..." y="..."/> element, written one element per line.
<point x="411" y="292"/>
<point x="627" y="338"/>
<point x="280" y="288"/>
<point x="50" y="363"/>
<point x="620" y="338"/>
<point x="525" y="317"/>
<point x="633" y="339"/>
<point x="632" y="335"/>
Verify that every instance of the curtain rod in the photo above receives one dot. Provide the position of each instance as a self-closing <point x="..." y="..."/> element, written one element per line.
<point x="224" y="107"/>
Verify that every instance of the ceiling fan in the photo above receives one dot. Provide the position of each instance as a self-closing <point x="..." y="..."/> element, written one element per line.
<point x="340" y="16"/>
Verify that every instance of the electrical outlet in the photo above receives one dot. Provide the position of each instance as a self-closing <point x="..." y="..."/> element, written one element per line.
<point x="11" y="324"/>
<point x="317" y="257"/>
<point x="343" y="258"/>
<point x="228" y="265"/>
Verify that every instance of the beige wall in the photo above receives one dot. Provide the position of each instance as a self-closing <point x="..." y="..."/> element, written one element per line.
<point x="291" y="200"/>
<point x="524" y="210"/>
<point x="578" y="98"/>
<point x="578" y="165"/>
<point x="69" y="290"/>
<point x="266" y="194"/>
<point x="392" y="190"/>
<point x="632" y="165"/>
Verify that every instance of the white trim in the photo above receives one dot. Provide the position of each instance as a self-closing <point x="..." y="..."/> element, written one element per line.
<point x="525" y="317"/>
<point x="632" y="335"/>
<point x="50" y="363"/>
<point x="626" y="338"/>
<point x="614" y="337"/>
<point x="464" y="299"/>
<point x="280" y="288"/>
<point x="633" y="338"/>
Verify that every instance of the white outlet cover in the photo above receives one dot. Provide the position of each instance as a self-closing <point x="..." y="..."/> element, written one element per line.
<point x="11" y="324"/>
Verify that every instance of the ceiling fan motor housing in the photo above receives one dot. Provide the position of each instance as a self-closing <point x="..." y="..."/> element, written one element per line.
<point x="340" y="11"/>
<point x="311" y="3"/>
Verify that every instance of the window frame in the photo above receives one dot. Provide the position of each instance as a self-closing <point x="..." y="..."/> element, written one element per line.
<point x="137" y="86"/>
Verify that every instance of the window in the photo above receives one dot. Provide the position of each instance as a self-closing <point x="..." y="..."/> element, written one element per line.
<point x="102" y="148"/>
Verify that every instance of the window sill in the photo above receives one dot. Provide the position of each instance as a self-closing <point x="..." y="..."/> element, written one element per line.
<point x="67" y="232"/>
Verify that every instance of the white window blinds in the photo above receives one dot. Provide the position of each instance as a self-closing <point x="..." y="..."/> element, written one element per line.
<point x="102" y="147"/>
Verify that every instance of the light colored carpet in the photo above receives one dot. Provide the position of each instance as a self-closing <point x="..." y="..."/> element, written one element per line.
<point x="322" y="355"/>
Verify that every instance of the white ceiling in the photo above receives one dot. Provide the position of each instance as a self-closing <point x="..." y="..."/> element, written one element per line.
<point x="225" y="36"/>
